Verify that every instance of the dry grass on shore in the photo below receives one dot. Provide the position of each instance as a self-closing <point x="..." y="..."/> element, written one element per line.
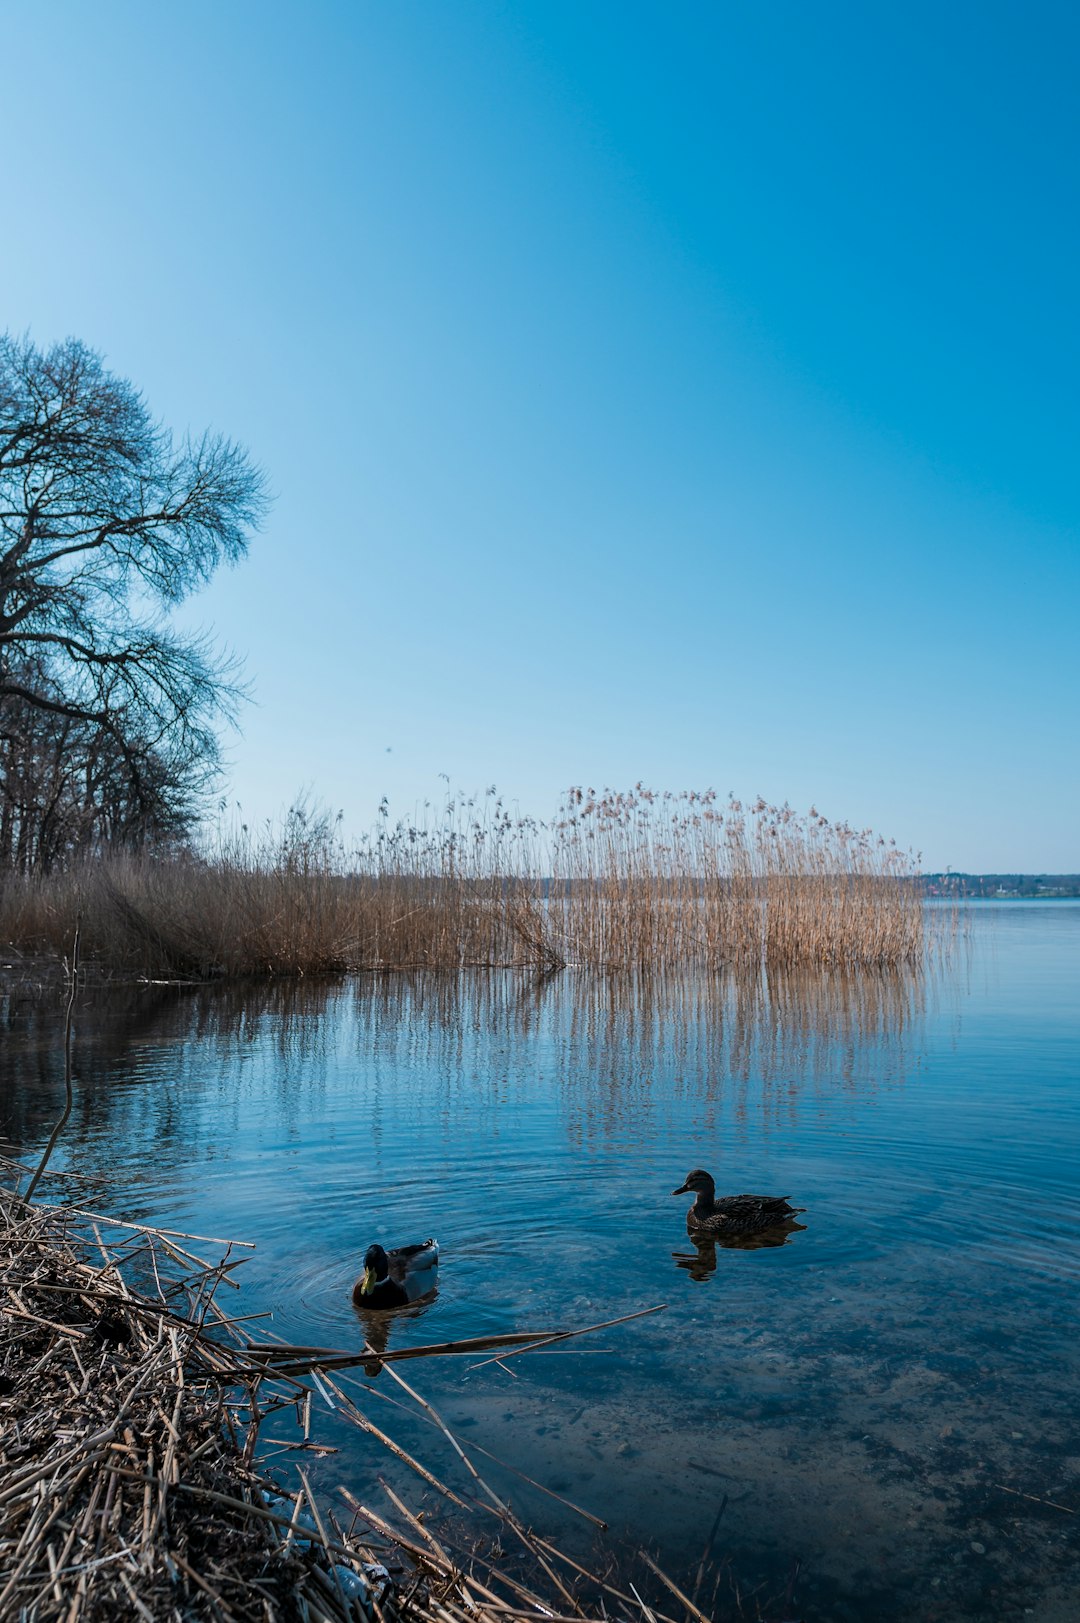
<point x="130" y="1416"/>
<point x="616" y="881"/>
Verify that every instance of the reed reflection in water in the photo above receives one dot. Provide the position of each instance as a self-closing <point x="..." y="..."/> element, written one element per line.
<point x="607" y="1038"/>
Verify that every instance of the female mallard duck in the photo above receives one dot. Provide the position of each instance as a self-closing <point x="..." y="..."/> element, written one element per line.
<point x="396" y="1278"/>
<point x="731" y="1214"/>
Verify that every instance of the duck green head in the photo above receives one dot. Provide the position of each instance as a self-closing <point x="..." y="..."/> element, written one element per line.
<point x="376" y="1269"/>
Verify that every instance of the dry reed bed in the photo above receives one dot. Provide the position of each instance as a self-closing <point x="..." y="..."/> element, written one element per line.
<point x="131" y="1407"/>
<point x="122" y="1494"/>
<point x="615" y="881"/>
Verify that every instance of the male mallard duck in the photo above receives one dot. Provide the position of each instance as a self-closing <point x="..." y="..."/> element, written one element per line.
<point x="395" y="1278"/>
<point x="731" y="1214"/>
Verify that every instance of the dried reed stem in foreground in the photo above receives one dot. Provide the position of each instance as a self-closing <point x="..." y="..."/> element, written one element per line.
<point x="128" y="1451"/>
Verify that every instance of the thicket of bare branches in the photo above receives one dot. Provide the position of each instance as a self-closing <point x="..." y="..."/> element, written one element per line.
<point x="108" y="716"/>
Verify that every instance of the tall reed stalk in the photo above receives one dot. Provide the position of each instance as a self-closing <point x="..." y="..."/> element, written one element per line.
<point x="643" y="879"/>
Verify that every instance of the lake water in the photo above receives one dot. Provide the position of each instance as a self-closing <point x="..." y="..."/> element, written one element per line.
<point x="860" y="1399"/>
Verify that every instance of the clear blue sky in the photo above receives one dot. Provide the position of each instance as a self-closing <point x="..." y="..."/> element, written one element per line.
<point x="684" y="391"/>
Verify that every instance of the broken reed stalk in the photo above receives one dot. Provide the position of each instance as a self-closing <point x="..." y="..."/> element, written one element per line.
<point x="129" y="1482"/>
<point x="285" y="1359"/>
<point x="503" y="1465"/>
<point x="281" y="1358"/>
<point x="504" y="1511"/>
<point x="70" y="1095"/>
<point x="568" y="1335"/>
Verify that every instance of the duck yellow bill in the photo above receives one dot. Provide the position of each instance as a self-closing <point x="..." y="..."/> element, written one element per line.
<point x="367" y="1284"/>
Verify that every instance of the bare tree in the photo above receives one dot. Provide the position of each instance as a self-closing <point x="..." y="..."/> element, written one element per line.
<point x="106" y="523"/>
<point x="67" y="788"/>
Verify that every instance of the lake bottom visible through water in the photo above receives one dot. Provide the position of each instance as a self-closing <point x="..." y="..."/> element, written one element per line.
<point x="874" y="1419"/>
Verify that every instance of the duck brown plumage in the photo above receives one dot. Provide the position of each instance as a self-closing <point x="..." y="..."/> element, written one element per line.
<point x="730" y="1214"/>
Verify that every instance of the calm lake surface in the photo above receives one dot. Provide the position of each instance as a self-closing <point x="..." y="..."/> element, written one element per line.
<point x="862" y="1395"/>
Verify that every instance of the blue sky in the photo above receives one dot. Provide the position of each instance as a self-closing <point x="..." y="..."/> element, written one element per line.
<point x="681" y="392"/>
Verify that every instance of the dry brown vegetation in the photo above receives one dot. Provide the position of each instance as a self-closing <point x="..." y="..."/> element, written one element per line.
<point x="617" y="881"/>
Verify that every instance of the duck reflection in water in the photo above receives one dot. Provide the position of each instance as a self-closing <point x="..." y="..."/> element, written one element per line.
<point x="376" y="1328"/>
<point x="701" y="1262"/>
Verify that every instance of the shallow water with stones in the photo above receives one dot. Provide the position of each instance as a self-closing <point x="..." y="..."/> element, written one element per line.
<point x="870" y="1401"/>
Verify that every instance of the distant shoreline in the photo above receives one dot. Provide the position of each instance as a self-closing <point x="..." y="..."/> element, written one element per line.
<point x="1002" y="887"/>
